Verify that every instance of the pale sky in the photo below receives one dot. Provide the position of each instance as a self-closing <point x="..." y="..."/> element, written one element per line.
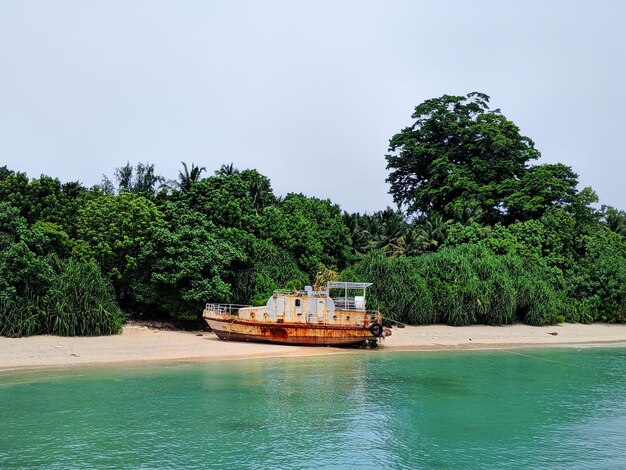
<point x="308" y="93"/>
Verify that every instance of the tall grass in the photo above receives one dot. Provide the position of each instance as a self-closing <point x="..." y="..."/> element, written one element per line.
<point x="79" y="302"/>
<point x="458" y="286"/>
<point x="398" y="290"/>
<point x="20" y="316"/>
<point x="469" y="285"/>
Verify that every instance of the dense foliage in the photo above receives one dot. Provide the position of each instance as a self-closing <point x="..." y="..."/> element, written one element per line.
<point x="480" y="235"/>
<point x="459" y="153"/>
<point x="42" y="293"/>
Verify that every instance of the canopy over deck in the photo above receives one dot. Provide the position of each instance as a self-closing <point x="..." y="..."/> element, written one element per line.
<point x="348" y="285"/>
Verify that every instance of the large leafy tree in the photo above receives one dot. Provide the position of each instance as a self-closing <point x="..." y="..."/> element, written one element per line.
<point x="14" y="189"/>
<point x="185" y="264"/>
<point x="542" y="186"/>
<point x="599" y="276"/>
<point x="41" y="199"/>
<point x="266" y="268"/>
<point x="24" y="271"/>
<point x="310" y="229"/>
<point x="224" y="200"/>
<point x="458" y="152"/>
<point x="112" y="231"/>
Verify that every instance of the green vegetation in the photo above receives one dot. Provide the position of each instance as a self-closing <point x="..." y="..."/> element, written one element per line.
<point x="42" y="293"/>
<point x="480" y="235"/>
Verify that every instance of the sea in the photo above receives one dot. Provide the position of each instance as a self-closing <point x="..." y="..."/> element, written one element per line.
<point x="372" y="409"/>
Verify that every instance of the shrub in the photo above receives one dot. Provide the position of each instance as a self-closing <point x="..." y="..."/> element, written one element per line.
<point x="80" y="302"/>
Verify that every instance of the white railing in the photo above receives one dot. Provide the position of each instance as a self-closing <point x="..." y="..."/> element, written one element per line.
<point x="225" y="309"/>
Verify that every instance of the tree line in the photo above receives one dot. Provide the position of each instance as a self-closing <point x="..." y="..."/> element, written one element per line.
<point x="480" y="235"/>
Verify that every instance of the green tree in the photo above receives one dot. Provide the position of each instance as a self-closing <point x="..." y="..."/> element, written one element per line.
<point x="113" y="229"/>
<point x="124" y="177"/>
<point x="14" y="189"/>
<point x="540" y="187"/>
<point x="458" y="152"/>
<point x="24" y="271"/>
<point x="185" y="264"/>
<point x="432" y="232"/>
<point x="187" y="178"/>
<point x="266" y="269"/>
<point x="37" y="292"/>
<point x="359" y="235"/>
<point x="598" y="277"/>
<point x="225" y="201"/>
<point x="259" y="189"/>
<point x="227" y="170"/>
<point x="310" y="229"/>
<point x="140" y="180"/>
<point x="387" y="230"/>
<point x="615" y="220"/>
<point x="43" y="199"/>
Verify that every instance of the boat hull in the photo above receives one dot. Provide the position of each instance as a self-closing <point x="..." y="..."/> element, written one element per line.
<point x="232" y="329"/>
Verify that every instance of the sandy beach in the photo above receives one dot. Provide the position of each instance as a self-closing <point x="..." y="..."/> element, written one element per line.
<point x="138" y="344"/>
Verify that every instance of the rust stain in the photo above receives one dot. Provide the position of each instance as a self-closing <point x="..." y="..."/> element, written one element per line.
<point x="278" y="333"/>
<point x="309" y="317"/>
<point x="302" y="334"/>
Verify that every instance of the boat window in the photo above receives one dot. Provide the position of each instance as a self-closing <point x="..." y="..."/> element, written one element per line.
<point x="297" y="302"/>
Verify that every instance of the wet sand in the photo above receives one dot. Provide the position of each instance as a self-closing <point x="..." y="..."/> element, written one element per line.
<point x="137" y="344"/>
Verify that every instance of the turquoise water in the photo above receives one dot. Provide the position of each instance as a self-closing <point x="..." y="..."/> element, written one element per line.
<point x="557" y="408"/>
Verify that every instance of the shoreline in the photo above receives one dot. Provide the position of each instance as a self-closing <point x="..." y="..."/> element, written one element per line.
<point x="138" y="345"/>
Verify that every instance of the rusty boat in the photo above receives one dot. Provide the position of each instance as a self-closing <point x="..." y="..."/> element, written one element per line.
<point x="308" y="317"/>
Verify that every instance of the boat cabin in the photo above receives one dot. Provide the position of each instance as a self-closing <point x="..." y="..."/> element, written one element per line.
<point x="341" y="303"/>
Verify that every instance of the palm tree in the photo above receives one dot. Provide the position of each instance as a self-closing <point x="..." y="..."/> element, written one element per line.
<point x="145" y="179"/>
<point x="615" y="220"/>
<point x="227" y="170"/>
<point x="468" y="214"/>
<point x="124" y="177"/>
<point x="386" y="229"/>
<point x="356" y="224"/>
<point x="409" y="244"/>
<point x="432" y="232"/>
<point x="187" y="178"/>
<point x="260" y="193"/>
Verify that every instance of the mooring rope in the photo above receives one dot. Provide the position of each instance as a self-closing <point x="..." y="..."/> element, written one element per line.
<point x="511" y="351"/>
<point x="540" y="358"/>
<point x="396" y="322"/>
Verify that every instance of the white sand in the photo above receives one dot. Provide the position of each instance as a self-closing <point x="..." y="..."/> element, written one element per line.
<point x="143" y="344"/>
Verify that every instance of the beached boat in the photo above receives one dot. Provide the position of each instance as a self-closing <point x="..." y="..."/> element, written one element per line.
<point x="308" y="317"/>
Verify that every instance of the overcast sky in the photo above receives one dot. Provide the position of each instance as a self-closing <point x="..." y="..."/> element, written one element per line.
<point x="308" y="93"/>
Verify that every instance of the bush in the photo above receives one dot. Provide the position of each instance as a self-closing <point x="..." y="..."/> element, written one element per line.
<point x="398" y="291"/>
<point x="20" y="316"/>
<point x="460" y="285"/>
<point x="80" y="302"/>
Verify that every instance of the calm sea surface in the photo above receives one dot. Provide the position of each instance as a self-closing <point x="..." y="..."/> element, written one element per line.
<point x="556" y="408"/>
